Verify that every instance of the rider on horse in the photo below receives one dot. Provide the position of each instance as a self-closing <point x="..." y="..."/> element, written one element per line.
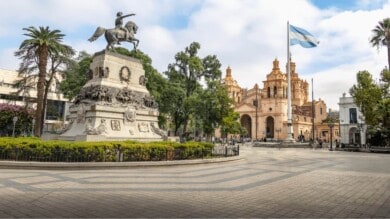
<point x="118" y="34"/>
<point x="119" y="23"/>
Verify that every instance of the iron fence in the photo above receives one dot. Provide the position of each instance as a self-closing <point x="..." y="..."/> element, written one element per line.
<point x="117" y="155"/>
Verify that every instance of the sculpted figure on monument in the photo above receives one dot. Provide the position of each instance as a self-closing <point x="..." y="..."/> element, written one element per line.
<point x="124" y="95"/>
<point x="142" y="80"/>
<point x="119" y="34"/>
<point x="89" y="129"/>
<point x="157" y="130"/>
<point x="102" y="128"/>
<point x="150" y="102"/>
<point x="81" y="114"/>
<point x="119" y="23"/>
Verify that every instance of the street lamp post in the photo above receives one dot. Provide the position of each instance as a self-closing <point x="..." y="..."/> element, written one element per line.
<point x="331" y="125"/>
<point x="15" y="119"/>
<point x="32" y="127"/>
<point x="360" y="129"/>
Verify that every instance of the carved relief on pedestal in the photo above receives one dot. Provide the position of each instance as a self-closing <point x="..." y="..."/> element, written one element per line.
<point x="126" y="96"/>
<point x="81" y="114"/>
<point x="150" y="102"/>
<point x="90" y="74"/>
<point x="124" y="74"/>
<point x="115" y="125"/>
<point x="96" y="72"/>
<point x="101" y="72"/>
<point x="143" y="127"/>
<point x="106" y="72"/>
<point x="100" y="130"/>
<point x="130" y="114"/>
<point x="142" y="80"/>
<point x="95" y="93"/>
<point x="157" y="130"/>
<point x="89" y="129"/>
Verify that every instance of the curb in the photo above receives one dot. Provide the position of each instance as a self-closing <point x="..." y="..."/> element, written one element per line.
<point x="108" y="165"/>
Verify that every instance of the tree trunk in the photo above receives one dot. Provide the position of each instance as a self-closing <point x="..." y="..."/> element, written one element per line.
<point x="176" y="128"/>
<point x="388" y="54"/>
<point x="46" y="91"/>
<point x="185" y="126"/>
<point x="38" y="113"/>
<point x="43" y="113"/>
<point x="42" y="62"/>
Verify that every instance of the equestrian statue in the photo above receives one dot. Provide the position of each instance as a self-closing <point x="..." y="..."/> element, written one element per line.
<point x="119" y="33"/>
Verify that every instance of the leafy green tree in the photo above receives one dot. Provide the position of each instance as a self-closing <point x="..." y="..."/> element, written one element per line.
<point x="374" y="102"/>
<point x="213" y="106"/>
<point x="171" y="103"/>
<point x="187" y="71"/>
<point x="76" y="75"/>
<point x="381" y="36"/>
<point x="42" y="50"/>
<point x="366" y="95"/>
<point x="230" y="124"/>
<point x="385" y="82"/>
<point x="384" y="103"/>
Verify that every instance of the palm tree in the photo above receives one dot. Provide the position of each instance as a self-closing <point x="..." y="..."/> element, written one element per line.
<point x="381" y="36"/>
<point x="42" y="47"/>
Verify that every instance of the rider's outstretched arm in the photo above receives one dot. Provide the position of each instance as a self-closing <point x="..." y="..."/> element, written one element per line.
<point x="128" y="15"/>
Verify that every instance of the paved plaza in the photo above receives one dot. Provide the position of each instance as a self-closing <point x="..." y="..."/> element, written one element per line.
<point x="266" y="182"/>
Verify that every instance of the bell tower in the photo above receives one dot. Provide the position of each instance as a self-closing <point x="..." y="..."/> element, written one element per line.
<point x="234" y="90"/>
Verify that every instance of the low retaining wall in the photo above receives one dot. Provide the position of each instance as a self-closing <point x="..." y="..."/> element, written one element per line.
<point x="282" y="145"/>
<point x="108" y="165"/>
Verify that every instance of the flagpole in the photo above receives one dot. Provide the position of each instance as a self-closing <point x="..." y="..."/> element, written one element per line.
<point x="312" y="109"/>
<point x="289" y="119"/>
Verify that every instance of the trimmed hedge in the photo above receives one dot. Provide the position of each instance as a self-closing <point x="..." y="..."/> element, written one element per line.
<point x="33" y="149"/>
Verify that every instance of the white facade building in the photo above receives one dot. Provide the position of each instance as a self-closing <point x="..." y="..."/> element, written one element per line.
<point x="57" y="104"/>
<point x="352" y="126"/>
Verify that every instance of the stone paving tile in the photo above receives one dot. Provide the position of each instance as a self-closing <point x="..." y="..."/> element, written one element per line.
<point x="286" y="183"/>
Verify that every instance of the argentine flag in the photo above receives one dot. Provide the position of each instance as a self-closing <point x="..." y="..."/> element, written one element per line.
<point x="302" y="37"/>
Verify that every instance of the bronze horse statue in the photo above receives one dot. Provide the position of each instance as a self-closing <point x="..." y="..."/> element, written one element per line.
<point x="117" y="35"/>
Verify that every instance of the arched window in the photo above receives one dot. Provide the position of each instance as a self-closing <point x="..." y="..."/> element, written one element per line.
<point x="268" y="92"/>
<point x="275" y="91"/>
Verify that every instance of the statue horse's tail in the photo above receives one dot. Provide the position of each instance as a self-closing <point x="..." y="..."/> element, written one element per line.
<point x="99" y="31"/>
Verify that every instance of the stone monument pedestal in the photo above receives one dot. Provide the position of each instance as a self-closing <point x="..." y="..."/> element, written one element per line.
<point x="114" y="104"/>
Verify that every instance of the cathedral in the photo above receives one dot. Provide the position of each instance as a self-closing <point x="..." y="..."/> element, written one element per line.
<point x="263" y="111"/>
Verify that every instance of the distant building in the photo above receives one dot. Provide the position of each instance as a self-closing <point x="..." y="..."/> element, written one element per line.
<point x="352" y="126"/>
<point x="263" y="111"/>
<point x="57" y="104"/>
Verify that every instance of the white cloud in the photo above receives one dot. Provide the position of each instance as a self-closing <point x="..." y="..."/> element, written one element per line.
<point x="330" y="84"/>
<point x="247" y="35"/>
<point x="7" y="60"/>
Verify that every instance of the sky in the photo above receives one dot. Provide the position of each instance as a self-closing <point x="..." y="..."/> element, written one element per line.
<point x="246" y="35"/>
